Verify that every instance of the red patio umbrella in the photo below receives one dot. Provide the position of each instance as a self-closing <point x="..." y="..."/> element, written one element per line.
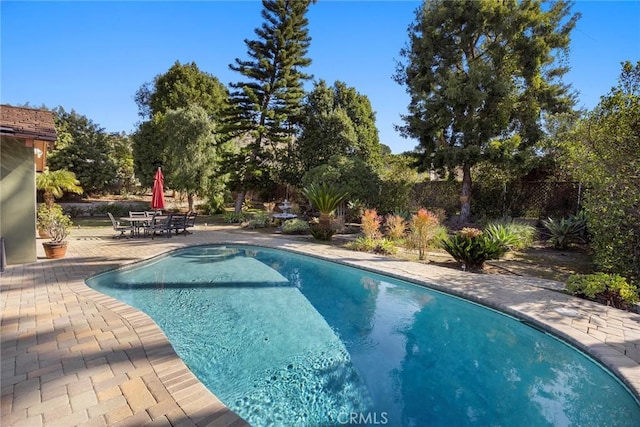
<point x="157" y="195"/>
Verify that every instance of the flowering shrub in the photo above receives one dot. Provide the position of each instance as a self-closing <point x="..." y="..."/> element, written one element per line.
<point x="396" y="226"/>
<point x="370" y="224"/>
<point x="424" y="228"/>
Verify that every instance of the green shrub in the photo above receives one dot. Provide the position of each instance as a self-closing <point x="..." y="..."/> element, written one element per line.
<point x="472" y="248"/>
<point x="565" y="231"/>
<point x="355" y="210"/>
<point x="233" y="217"/>
<point x="74" y="211"/>
<point x="295" y="226"/>
<point x="385" y="247"/>
<point x="116" y="209"/>
<point x="511" y="234"/>
<point x="362" y="244"/>
<point x="258" y="220"/>
<point x="369" y="244"/>
<point x="612" y="289"/>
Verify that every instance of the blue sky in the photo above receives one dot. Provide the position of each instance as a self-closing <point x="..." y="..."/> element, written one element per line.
<point x="93" y="56"/>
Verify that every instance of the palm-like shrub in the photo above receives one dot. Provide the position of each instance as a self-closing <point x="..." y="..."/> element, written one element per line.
<point x="566" y="230"/>
<point x="55" y="184"/>
<point x="326" y="200"/>
<point x="472" y="248"/>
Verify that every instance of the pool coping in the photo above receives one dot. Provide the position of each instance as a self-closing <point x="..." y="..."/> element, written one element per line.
<point x="155" y="387"/>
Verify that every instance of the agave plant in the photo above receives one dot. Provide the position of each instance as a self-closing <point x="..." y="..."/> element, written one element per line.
<point x="565" y="231"/>
<point x="326" y="199"/>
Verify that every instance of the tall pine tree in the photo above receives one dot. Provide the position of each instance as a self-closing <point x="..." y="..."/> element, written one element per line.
<point x="265" y="108"/>
<point x="482" y="73"/>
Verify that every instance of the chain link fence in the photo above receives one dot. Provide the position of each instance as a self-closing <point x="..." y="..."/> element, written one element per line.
<point x="522" y="199"/>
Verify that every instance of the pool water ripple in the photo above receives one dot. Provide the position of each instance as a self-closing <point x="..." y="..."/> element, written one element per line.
<point x="285" y="339"/>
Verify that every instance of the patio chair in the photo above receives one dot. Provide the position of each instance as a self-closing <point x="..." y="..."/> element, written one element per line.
<point x="178" y="222"/>
<point x="162" y="225"/>
<point x="137" y="225"/>
<point x="191" y="222"/>
<point x="117" y="227"/>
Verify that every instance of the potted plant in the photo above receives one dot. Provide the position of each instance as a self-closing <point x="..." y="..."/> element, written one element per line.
<point x="54" y="185"/>
<point x="57" y="226"/>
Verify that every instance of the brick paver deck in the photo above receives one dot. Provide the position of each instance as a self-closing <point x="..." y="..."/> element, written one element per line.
<point x="72" y="356"/>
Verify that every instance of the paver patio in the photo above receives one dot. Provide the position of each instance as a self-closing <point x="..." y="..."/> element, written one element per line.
<point x="72" y="356"/>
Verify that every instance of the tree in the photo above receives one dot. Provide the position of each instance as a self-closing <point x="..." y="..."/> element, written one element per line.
<point x="86" y="150"/>
<point x="55" y="184"/>
<point x="193" y="155"/>
<point x="348" y="175"/>
<point x="337" y="121"/>
<point x="180" y="87"/>
<point x="480" y="73"/>
<point x="265" y="108"/>
<point x="603" y="151"/>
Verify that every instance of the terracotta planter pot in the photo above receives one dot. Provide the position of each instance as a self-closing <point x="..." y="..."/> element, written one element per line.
<point x="55" y="250"/>
<point x="43" y="233"/>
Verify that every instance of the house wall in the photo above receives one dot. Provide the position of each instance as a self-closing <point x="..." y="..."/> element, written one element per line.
<point x="17" y="200"/>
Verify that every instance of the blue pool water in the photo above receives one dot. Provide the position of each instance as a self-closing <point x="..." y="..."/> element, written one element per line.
<point x="289" y="340"/>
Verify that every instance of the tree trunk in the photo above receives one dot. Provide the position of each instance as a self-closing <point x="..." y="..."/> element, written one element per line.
<point x="240" y="201"/>
<point x="325" y="221"/>
<point x="465" y="195"/>
<point x="190" y="201"/>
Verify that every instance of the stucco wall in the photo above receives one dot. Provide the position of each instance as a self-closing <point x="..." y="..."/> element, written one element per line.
<point x="17" y="201"/>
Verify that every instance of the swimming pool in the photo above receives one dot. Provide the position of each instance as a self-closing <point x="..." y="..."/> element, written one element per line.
<point x="285" y="339"/>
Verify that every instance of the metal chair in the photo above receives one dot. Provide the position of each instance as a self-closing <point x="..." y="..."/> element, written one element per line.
<point x="191" y="222"/>
<point x="161" y="225"/>
<point x="137" y="225"/>
<point x="117" y="227"/>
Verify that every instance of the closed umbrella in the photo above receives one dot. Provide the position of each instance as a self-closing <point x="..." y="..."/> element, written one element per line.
<point x="157" y="195"/>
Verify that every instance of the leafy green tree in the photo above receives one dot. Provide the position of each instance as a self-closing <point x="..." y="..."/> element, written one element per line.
<point x="348" y="175"/>
<point x="122" y="154"/>
<point x="603" y="151"/>
<point x="86" y="150"/>
<point x="148" y="149"/>
<point x="337" y="121"/>
<point x="398" y="178"/>
<point x="193" y="154"/>
<point x="483" y="72"/>
<point x="180" y="87"/>
<point x="266" y="107"/>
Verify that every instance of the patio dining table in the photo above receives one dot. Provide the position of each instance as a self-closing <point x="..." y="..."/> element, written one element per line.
<point x="138" y="222"/>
